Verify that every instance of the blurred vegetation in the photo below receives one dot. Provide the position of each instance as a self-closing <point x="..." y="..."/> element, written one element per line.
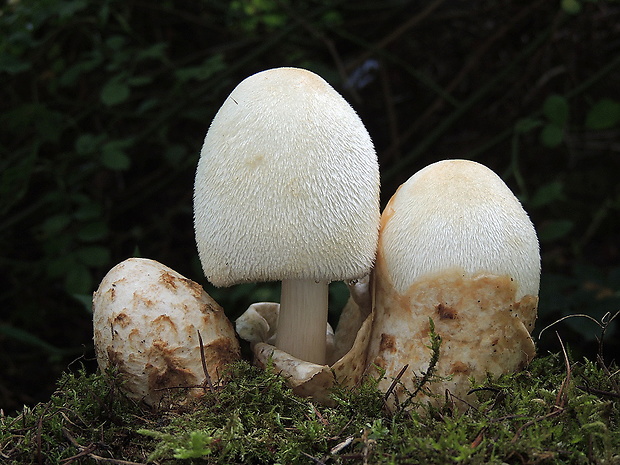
<point x="105" y="105"/>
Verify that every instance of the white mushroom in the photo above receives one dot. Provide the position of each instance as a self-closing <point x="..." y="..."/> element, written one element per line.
<point x="146" y="320"/>
<point x="287" y="188"/>
<point x="457" y="247"/>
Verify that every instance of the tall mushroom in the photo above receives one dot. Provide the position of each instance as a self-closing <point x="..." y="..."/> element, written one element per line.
<point x="287" y="189"/>
<point x="456" y="247"/>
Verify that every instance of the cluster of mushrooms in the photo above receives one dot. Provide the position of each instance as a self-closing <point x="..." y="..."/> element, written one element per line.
<point x="287" y="189"/>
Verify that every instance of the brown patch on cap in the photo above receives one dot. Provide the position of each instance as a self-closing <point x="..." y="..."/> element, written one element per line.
<point x="221" y="352"/>
<point x="195" y="289"/>
<point x="168" y="279"/>
<point x="446" y="313"/>
<point x="164" y="320"/>
<point x="170" y="373"/>
<point x="460" y="368"/>
<point x="122" y="320"/>
<point x="388" y="343"/>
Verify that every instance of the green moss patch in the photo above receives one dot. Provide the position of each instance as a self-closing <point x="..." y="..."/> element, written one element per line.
<point x="550" y="413"/>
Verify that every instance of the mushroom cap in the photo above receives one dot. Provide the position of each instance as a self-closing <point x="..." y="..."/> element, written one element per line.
<point x="457" y="248"/>
<point x="146" y="319"/>
<point x="458" y="214"/>
<point x="287" y="186"/>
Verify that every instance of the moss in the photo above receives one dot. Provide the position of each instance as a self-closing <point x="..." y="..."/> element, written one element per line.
<point x="547" y="414"/>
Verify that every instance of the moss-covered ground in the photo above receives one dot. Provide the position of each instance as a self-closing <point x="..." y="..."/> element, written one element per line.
<point x="557" y="411"/>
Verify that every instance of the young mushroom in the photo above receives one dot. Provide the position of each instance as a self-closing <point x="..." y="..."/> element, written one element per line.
<point x="457" y="248"/>
<point x="287" y="189"/>
<point x="147" y="319"/>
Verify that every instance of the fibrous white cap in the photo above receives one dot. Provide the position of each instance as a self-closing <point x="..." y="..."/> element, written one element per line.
<point x="287" y="186"/>
<point x="458" y="214"/>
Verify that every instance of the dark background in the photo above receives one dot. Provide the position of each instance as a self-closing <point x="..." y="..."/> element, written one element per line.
<point x="105" y="105"/>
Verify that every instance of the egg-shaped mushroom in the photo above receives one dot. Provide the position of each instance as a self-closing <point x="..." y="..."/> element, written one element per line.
<point x="147" y="319"/>
<point x="455" y="247"/>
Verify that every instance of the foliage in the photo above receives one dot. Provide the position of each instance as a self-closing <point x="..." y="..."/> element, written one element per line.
<point x="555" y="412"/>
<point x="105" y="105"/>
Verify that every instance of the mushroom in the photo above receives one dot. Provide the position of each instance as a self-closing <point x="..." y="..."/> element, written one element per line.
<point x="457" y="248"/>
<point x="149" y="322"/>
<point x="258" y="325"/>
<point x="287" y="189"/>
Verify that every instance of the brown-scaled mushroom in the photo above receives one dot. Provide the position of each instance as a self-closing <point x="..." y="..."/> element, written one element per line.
<point x="287" y="189"/>
<point x="455" y="246"/>
<point x="146" y="320"/>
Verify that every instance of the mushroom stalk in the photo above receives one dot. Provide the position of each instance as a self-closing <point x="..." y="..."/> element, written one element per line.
<point x="303" y="319"/>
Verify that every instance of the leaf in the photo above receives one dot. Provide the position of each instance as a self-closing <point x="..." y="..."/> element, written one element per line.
<point x="156" y="51"/>
<point x="113" y="155"/>
<point x="114" y="92"/>
<point x="547" y="193"/>
<point x="93" y="231"/>
<point x="87" y="144"/>
<point x="551" y="135"/>
<point x="604" y="114"/>
<point x="556" y="110"/>
<point x="571" y="7"/>
<point x="78" y="280"/>
<point x="554" y="230"/>
<point x="208" y="68"/>
<point x="54" y="224"/>
<point x="93" y="255"/>
<point x="525" y="125"/>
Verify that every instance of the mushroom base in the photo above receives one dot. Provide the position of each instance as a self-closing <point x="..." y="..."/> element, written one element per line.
<point x="258" y="325"/>
<point x="483" y="329"/>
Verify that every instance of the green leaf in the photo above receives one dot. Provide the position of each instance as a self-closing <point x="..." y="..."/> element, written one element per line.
<point x="156" y="51"/>
<point x="197" y="447"/>
<point x="113" y="155"/>
<point x="209" y="68"/>
<point x="55" y="224"/>
<point x="525" y="125"/>
<point x="78" y="280"/>
<point x="29" y="338"/>
<point x="116" y="42"/>
<point x="93" y="255"/>
<point x="556" y="110"/>
<point x="174" y="154"/>
<point x="93" y="231"/>
<point x="114" y="92"/>
<point x="547" y="193"/>
<point x="552" y="135"/>
<point x="87" y="144"/>
<point x="604" y="114"/>
<point x="12" y="65"/>
<point x="554" y="230"/>
<point x="571" y="7"/>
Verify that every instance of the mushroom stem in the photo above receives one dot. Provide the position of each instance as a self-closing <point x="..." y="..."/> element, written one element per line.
<point x="302" y="322"/>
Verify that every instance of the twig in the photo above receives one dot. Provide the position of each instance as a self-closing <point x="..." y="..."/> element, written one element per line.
<point x="395" y="34"/>
<point x="394" y="382"/>
<point x="555" y="413"/>
<point x="598" y="391"/>
<point x="97" y="458"/>
<point x="314" y="459"/>
<point x="560" y="399"/>
<point x="204" y="363"/>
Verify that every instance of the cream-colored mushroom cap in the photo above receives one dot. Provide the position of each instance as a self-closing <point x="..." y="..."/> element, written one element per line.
<point x="287" y="189"/>
<point x="287" y="186"/>
<point x="146" y="320"/>
<point x="455" y="248"/>
<point x="458" y="214"/>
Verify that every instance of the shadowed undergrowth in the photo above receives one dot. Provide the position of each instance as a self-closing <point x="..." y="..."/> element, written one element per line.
<point x="554" y="412"/>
